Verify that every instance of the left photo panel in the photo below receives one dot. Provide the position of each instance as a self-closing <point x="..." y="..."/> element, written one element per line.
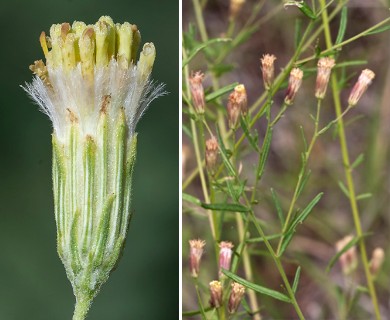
<point x="89" y="179"/>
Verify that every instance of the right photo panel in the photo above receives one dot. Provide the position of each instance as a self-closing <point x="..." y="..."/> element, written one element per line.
<point x="285" y="159"/>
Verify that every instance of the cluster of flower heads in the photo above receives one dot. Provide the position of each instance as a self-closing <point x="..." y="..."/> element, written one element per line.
<point x="349" y="259"/>
<point x="216" y="286"/>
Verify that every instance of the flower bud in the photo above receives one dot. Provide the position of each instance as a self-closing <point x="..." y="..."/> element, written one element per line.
<point x="197" y="91"/>
<point x="215" y="294"/>
<point x="348" y="259"/>
<point x="361" y="86"/>
<point x="237" y="105"/>
<point x="235" y="7"/>
<point x="267" y="68"/>
<point x="211" y="154"/>
<point x="225" y="256"/>
<point x="196" y="252"/>
<point x="325" y="66"/>
<point x="378" y="256"/>
<point x="235" y="298"/>
<point x="294" y="84"/>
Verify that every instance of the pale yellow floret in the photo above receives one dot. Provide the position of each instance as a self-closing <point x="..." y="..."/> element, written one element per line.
<point x="69" y="55"/>
<point x="136" y="42"/>
<point x="124" y="43"/>
<point x="78" y="28"/>
<point x="87" y="50"/>
<point x="102" y="32"/>
<point x="146" y="60"/>
<point x="56" y="45"/>
<point x="111" y="37"/>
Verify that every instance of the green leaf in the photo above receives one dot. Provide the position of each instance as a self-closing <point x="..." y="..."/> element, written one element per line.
<point x="264" y="152"/>
<point x="303" y="183"/>
<point x="379" y="30"/>
<point x="364" y="196"/>
<point x="296" y="279"/>
<point x="261" y="239"/>
<point x="220" y="92"/>
<point x="358" y="161"/>
<point x="343" y="25"/>
<point x="334" y="259"/>
<point x="251" y="140"/>
<point x="343" y="188"/>
<point x="192" y="199"/>
<point x="278" y="206"/>
<point x="200" y="47"/>
<point x="225" y="207"/>
<point x="297" y="35"/>
<point x="257" y="288"/>
<point x="303" y="7"/>
<point x="224" y="155"/>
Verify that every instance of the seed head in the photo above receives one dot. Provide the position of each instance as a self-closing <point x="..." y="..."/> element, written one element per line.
<point x="197" y="91"/>
<point x="211" y="154"/>
<point x="225" y="256"/>
<point x="294" y="83"/>
<point x="348" y="259"/>
<point x="267" y="68"/>
<point x="361" y="86"/>
<point x="215" y="294"/>
<point x="235" y="298"/>
<point x="325" y="66"/>
<point x="196" y="252"/>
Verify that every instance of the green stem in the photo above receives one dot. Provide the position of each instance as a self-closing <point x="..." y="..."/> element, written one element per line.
<point x="82" y="306"/>
<point x="347" y="166"/>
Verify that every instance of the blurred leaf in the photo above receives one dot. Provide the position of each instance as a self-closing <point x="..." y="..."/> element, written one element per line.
<point x="278" y="206"/>
<point x="261" y="239"/>
<point x="343" y="188"/>
<point x="334" y="259"/>
<point x="264" y="152"/>
<point x="221" y="69"/>
<point x="303" y="138"/>
<point x="358" y="161"/>
<point x="225" y="158"/>
<point x="190" y="198"/>
<point x="298" y="30"/>
<point x="343" y="25"/>
<point x="363" y="196"/>
<point x="379" y="30"/>
<point x="186" y="130"/>
<point x="251" y="139"/>
<point x="225" y="207"/>
<point x="220" y="92"/>
<point x="202" y="46"/>
<point x="195" y="312"/>
<point x="296" y="279"/>
<point x="255" y="287"/>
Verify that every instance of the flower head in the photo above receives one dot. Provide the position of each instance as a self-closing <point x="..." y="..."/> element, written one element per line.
<point x="348" y="259"/>
<point x="294" y="83"/>
<point x="325" y="66"/>
<point x="267" y="68"/>
<point x="235" y="298"/>
<point x="378" y="256"/>
<point x="237" y="105"/>
<point x="211" y="154"/>
<point x="215" y="294"/>
<point x="225" y="256"/>
<point x="197" y="91"/>
<point x="361" y="86"/>
<point x="196" y="252"/>
<point x="94" y="90"/>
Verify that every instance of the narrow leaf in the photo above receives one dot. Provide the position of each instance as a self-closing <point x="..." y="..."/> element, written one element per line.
<point x="379" y="30"/>
<point x="343" y="188"/>
<point x="264" y="152"/>
<point x="296" y="279"/>
<point x="223" y="151"/>
<point x="192" y="199"/>
<point x="364" y="196"/>
<point x="255" y="287"/>
<point x="200" y="47"/>
<point x="297" y="35"/>
<point x="303" y="183"/>
<point x="225" y="207"/>
<point x="220" y="92"/>
<point x="343" y="25"/>
<point x="251" y="140"/>
<point x="261" y="239"/>
<point x="358" y="161"/>
<point x="278" y="206"/>
<point x="336" y="257"/>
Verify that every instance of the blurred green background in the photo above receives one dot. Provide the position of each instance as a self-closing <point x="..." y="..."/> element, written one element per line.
<point x="33" y="284"/>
